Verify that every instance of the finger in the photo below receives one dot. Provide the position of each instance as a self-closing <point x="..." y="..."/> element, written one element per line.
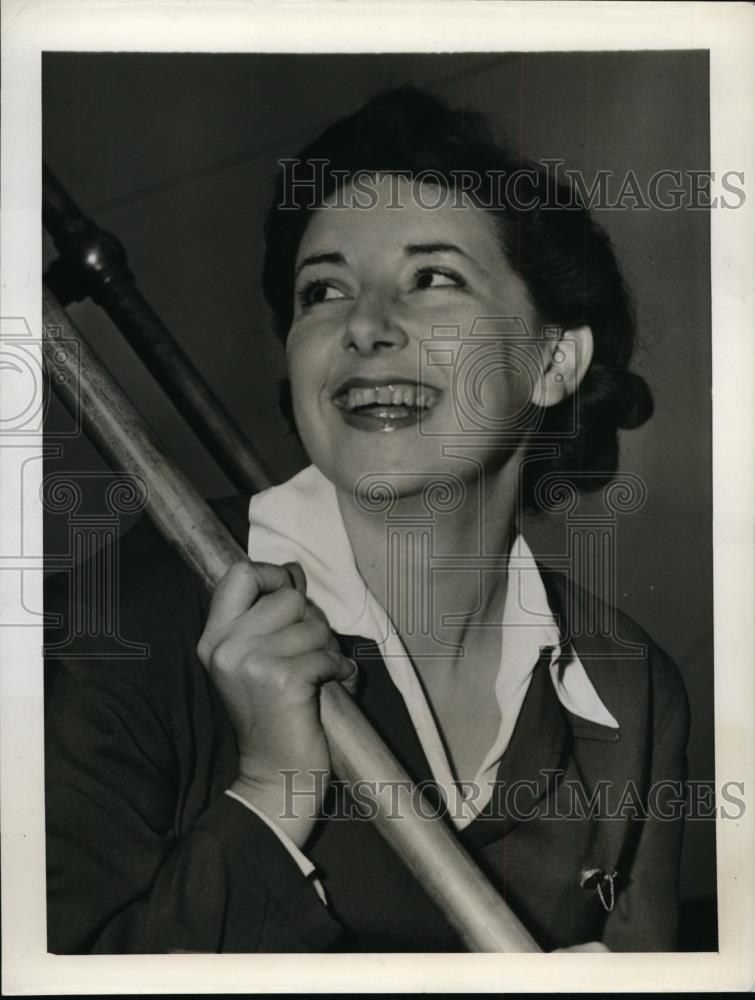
<point x="235" y="593"/>
<point x="298" y="578"/>
<point x="323" y="666"/>
<point x="240" y="588"/>
<point x="278" y="611"/>
<point x="314" y="612"/>
<point x="331" y="642"/>
<point x="307" y="636"/>
<point x="272" y="577"/>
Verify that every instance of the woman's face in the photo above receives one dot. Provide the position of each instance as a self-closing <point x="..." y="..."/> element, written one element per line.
<point x="410" y="332"/>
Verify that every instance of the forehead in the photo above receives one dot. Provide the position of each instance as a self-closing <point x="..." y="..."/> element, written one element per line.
<point x="387" y="212"/>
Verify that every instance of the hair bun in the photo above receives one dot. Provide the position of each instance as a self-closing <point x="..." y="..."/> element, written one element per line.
<point x="635" y="394"/>
<point x="615" y="396"/>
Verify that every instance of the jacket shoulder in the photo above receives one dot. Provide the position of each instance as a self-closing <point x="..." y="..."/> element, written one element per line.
<point x="149" y="611"/>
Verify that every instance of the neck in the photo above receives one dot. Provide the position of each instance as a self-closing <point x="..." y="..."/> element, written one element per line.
<point x="421" y="559"/>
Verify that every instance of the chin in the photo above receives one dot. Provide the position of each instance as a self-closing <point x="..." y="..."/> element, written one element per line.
<point x="377" y="476"/>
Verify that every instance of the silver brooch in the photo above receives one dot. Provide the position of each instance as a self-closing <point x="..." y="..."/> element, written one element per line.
<point x="596" y="878"/>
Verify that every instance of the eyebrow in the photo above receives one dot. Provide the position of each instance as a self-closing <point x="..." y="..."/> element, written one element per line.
<point x="414" y="249"/>
<point x="411" y="250"/>
<point x="322" y="258"/>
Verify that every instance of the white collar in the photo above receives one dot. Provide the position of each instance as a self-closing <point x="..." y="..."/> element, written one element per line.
<point x="301" y="521"/>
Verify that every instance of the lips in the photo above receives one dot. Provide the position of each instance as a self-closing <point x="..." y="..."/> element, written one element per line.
<point x="384" y="404"/>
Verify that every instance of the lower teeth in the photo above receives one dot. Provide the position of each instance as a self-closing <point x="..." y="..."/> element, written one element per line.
<point x="388" y="409"/>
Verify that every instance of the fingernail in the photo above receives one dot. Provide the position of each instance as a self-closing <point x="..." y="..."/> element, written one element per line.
<point x="350" y="682"/>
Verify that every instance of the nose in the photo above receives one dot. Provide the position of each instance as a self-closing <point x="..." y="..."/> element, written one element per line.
<point x="373" y="325"/>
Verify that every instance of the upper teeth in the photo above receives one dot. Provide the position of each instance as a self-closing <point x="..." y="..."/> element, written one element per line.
<point x="404" y="394"/>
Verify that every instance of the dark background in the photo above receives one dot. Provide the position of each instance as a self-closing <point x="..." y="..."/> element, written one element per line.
<point x="176" y="155"/>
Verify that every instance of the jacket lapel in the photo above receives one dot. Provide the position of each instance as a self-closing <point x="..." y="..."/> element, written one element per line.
<point x="382" y="704"/>
<point x="536" y="754"/>
<point x="613" y="761"/>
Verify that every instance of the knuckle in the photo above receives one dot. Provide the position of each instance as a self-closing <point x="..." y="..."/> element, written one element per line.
<point x="272" y="676"/>
<point x="251" y="665"/>
<point x="223" y="659"/>
<point x="240" y="571"/>
<point x="203" y="650"/>
<point x="279" y="679"/>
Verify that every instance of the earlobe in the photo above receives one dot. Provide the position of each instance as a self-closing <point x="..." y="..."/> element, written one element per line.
<point x="566" y="363"/>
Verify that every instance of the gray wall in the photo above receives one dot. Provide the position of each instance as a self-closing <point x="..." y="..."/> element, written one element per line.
<point x="176" y="154"/>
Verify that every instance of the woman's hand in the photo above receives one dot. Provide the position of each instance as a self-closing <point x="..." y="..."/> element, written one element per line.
<point x="268" y="649"/>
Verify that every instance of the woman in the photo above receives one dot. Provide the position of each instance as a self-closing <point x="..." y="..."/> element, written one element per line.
<point x="455" y="341"/>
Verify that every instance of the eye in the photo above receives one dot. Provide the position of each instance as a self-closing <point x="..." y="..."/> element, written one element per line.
<point x="437" y="277"/>
<point x="316" y="292"/>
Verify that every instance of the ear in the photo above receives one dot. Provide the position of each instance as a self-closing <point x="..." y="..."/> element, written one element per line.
<point x="565" y="362"/>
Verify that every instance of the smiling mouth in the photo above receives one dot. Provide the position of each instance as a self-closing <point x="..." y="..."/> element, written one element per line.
<point x="396" y="398"/>
<point x="384" y="408"/>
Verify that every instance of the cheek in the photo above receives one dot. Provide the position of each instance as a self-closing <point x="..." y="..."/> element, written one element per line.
<point x="303" y="371"/>
<point x="308" y="370"/>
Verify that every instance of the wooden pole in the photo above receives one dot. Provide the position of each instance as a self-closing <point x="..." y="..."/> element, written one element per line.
<point x="93" y="262"/>
<point x="427" y="846"/>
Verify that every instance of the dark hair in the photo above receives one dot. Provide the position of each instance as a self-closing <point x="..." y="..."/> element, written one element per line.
<point x="565" y="259"/>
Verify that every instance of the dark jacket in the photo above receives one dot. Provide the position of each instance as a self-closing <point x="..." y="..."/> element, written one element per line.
<point x="146" y="854"/>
